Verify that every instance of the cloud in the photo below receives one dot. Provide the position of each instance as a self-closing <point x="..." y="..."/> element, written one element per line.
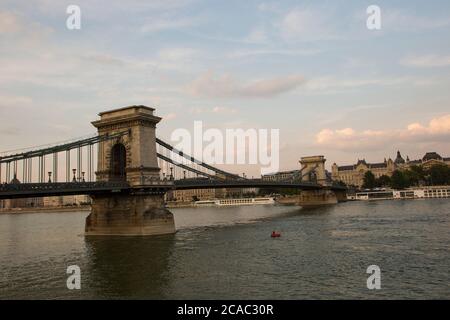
<point x="402" y="20"/>
<point x="10" y="131"/>
<point x="103" y="59"/>
<point x="268" y="7"/>
<point x="348" y="139"/>
<point x="274" y="86"/>
<point x="426" y="61"/>
<point x="301" y="24"/>
<point x="437" y="126"/>
<point x="10" y="101"/>
<point x="221" y="110"/>
<point x="177" y="54"/>
<point x="334" y="84"/>
<point x="225" y="86"/>
<point x="257" y="35"/>
<point x="9" y="23"/>
<point x="30" y="56"/>
<point x="169" y="116"/>
<point x="224" y="110"/>
<point x="167" y="23"/>
<point x="21" y="30"/>
<point x="281" y="52"/>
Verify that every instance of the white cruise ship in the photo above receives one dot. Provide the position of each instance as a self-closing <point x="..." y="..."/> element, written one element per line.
<point x="235" y="202"/>
<point x="412" y="193"/>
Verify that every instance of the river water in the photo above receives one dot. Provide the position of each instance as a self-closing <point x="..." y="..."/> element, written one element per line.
<point x="227" y="253"/>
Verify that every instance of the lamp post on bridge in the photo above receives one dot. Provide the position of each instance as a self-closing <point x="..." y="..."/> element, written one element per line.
<point x="49" y="177"/>
<point x="74" y="175"/>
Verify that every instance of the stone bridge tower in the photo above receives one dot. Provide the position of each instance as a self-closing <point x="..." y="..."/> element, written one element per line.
<point x="130" y="158"/>
<point x="313" y="169"/>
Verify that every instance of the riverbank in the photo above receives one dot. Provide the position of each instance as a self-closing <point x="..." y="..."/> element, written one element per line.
<point x="46" y="209"/>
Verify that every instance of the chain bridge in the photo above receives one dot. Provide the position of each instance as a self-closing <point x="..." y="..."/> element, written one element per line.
<point x="127" y="170"/>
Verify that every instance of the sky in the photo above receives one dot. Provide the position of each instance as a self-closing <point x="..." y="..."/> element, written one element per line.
<point x="309" y="68"/>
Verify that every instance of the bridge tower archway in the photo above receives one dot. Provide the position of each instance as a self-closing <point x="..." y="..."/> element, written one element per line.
<point x="118" y="162"/>
<point x="312" y="176"/>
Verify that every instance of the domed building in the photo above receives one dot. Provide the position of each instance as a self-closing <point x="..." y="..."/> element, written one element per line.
<point x="430" y="159"/>
<point x="15" y="180"/>
<point x="354" y="174"/>
<point x="399" y="159"/>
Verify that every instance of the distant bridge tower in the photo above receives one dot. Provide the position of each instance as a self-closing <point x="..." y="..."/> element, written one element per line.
<point x="131" y="158"/>
<point x="313" y="169"/>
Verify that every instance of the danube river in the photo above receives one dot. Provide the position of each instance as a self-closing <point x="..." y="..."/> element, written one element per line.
<point x="227" y="253"/>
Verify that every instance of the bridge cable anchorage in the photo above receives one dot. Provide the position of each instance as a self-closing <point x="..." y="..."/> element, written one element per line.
<point x="195" y="161"/>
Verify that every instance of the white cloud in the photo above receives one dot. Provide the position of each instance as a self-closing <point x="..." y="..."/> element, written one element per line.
<point x="197" y="110"/>
<point x="426" y="61"/>
<point x="224" y="110"/>
<point x="401" y="20"/>
<point x="177" y="54"/>
<point x="268" y="7"/>
<point x="257" y="35"/>
<point x="348" y="139"/>
<point x="207" y="84"/>
<point x="167" y="23"/>
<point x="169" y="116"/>
<point x="278" y="52"/>
<point x="45" y="63"/>
<point x="21" y="31"/>
<point x="273" y="86"/>
<point x="103" y="59"/>
<point x="302" y="24"/>
<point x="333" y="84"/>
<point x="10" y="101"/>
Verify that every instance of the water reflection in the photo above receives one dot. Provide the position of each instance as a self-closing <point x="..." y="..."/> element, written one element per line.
<point x="129" y="267"/>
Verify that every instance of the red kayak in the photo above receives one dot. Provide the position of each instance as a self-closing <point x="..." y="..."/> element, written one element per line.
<point x="275" y="234"/>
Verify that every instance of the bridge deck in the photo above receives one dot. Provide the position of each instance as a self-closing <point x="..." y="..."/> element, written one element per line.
<point x="31" y="190"/>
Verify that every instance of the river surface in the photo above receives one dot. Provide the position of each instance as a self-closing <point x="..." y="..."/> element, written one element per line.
<point x="227" y="253"/>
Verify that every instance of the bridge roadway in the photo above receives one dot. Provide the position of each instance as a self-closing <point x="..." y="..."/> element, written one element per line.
<point x="32" y="190"/>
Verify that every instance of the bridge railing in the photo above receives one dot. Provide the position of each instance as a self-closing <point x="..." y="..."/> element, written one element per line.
<point x="10" y="187"/>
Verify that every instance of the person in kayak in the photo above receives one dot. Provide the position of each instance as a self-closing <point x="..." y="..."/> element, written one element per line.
<point x="274" y="234"/>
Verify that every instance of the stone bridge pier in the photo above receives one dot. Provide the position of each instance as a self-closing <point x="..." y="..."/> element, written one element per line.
<point x="130" y="158"/>
<point x="312" y="198"/>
